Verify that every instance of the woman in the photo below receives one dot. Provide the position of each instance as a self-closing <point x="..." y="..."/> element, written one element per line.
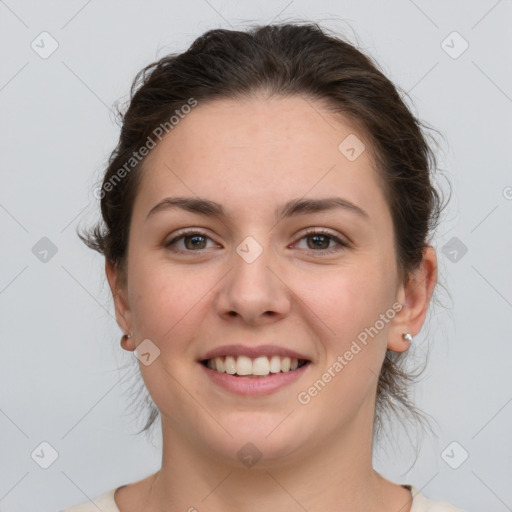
<point x="266" y="215"/>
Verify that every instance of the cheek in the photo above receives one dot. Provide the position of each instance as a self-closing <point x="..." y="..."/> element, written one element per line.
<point x="355" y="308"/>
<point x="163" y="299"/>
<point x="165" y="304"/>
<point x="346" y="300"/>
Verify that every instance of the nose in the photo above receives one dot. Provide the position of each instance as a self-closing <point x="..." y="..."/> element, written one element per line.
<point x="253" y="291"/>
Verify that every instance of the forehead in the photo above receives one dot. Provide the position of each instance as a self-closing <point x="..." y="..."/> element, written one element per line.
<point x="261" y="149"/>
<point x="275" y="126"/>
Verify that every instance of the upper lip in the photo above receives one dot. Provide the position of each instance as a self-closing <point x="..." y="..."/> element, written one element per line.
<point x="253" y="352"/>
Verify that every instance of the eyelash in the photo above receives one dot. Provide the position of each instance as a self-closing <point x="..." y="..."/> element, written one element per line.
<point x="341" y="243"/>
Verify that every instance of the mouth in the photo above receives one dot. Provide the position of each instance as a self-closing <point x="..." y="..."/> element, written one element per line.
<point x="261" y="366"/>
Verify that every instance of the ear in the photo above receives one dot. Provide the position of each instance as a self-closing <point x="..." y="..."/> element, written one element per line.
<point x="415" y="299"/>
<point x="121" y="303"/>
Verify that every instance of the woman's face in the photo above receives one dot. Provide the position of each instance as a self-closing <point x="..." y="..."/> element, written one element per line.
<point x="318" y="284"/>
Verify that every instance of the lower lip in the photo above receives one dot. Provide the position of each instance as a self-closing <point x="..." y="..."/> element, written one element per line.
<point x="254" y="385"/>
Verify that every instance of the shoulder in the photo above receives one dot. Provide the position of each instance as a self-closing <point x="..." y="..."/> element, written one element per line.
<point x="421" y="503"/>
<point x="105" y="502"/>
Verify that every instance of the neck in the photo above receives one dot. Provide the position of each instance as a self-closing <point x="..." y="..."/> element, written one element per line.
<point x="335" y="474"/>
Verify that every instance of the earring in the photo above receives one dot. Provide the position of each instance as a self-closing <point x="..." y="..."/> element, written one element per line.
<point x="125" y="337"/>
<point x="407" y="337"/>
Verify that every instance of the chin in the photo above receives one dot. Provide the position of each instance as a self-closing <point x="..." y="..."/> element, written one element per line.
<point x="258" y="442"/>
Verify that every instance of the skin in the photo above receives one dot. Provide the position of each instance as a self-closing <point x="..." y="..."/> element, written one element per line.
<point x="263" y="152"/>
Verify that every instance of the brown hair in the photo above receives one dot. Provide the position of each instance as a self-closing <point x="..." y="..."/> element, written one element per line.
<point x="285" y="59"/>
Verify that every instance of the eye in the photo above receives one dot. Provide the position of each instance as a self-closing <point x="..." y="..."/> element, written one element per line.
<point x="196" y="241"/>
<point x="193" y="240"/>
<point x="320" y="241"/>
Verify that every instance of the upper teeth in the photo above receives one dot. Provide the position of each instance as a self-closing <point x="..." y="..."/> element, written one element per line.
<point x="243" y="365"/>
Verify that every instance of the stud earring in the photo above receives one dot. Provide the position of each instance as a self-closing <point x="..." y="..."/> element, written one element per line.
<point x="125" y="337"/>
<point x="407" y="337"/>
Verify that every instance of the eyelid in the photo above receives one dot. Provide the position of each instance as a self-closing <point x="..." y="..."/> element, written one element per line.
<point x="188" y="232"/>
<point x="342" y="241"/>
<point x="326" y="231"/>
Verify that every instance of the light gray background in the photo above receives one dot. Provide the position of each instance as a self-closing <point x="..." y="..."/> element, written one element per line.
<point x="60" y="349"/>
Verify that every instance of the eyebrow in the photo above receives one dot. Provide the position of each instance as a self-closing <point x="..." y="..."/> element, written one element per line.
<point x="292" y="208"/>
